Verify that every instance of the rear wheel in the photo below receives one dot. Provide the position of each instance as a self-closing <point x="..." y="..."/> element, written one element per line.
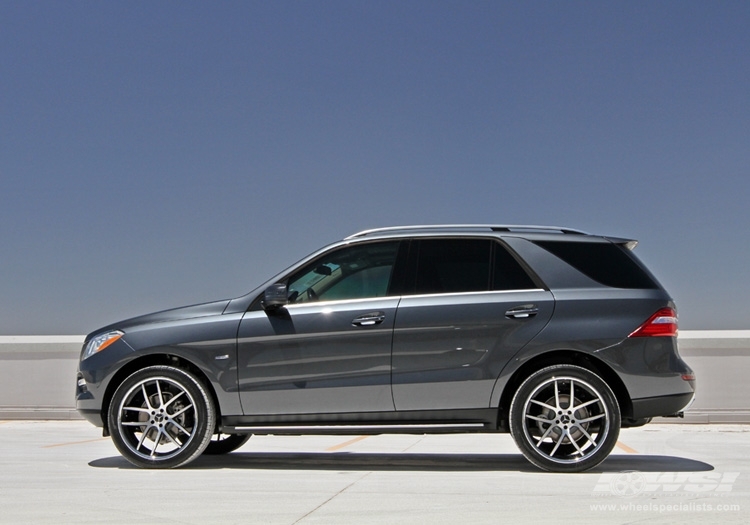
<point x="161" y="417"/>
<point x="225" y="443"/>
<point x="564" y="418"/>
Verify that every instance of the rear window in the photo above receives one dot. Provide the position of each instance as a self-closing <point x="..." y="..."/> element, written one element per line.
<point x="606" y="263"/>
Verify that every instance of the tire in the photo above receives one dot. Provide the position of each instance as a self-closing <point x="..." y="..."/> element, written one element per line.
<point x="558" y="437"/>
<point x="225" y="443"/>
<point x="161" y="417"/>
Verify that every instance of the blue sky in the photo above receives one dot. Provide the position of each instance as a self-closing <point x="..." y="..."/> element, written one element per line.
<point x="155" y="154"/>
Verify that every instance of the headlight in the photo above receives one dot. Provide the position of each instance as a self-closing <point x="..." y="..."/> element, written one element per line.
<point x="100" y="342"/>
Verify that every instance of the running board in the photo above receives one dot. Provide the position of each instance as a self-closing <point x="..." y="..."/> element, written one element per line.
<point x="430" y="428"/>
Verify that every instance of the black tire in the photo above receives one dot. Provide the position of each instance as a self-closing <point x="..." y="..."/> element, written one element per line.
<point x="225" y="443"/>
<point x="161" y="417"/>
<point x="558" y="437"/>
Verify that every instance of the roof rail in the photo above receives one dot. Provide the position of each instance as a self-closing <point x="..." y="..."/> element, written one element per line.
<point x="448" y="227"/>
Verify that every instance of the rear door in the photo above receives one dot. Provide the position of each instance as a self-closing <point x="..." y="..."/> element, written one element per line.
<point x="471" y="307"/>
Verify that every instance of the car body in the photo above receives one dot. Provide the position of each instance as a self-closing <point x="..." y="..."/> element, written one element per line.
<point x="554" y="335"/>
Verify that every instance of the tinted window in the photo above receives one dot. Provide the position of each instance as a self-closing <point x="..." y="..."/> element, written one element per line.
<point x="508" y="274"/>
<point x="453" y="265"/>
<point x="354" y="272"/>
<point x="606" y="263"/>
<point x="467" y="265"/>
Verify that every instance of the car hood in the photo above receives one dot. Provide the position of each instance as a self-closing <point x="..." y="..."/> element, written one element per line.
<point x="174" y="314"/>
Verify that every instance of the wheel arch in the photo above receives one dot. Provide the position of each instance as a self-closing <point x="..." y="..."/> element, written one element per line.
<point x="145" y="361"/>
<point x="564" y="357"/>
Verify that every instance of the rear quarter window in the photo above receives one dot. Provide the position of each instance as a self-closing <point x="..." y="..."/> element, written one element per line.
<point x="606" y="263"/>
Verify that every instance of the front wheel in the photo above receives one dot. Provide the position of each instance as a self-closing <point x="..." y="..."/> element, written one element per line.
<point x="161" y="417"/>
<point x="564" y="418"/>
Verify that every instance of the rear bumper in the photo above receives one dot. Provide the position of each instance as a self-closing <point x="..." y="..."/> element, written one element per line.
<point x="661" y="405"/>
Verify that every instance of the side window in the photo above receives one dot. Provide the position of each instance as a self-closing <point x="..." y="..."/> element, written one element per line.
<point x="467" y="265"/>
<point x="508" y="273"/>
<point x="453" y="265"/>
<point x="604" y="262"/>
<point x="353" y="272"/>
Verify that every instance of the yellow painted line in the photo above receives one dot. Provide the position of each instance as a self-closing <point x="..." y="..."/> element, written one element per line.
<point x="345" y="444"/>
<point x="74" y="443"/>
<point x="626" y="448"/>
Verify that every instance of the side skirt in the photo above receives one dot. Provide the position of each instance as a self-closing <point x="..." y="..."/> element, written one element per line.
<point x="428" y="422"/>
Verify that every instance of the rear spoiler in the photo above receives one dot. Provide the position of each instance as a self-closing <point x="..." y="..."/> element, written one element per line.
<point x="629" y="244"/>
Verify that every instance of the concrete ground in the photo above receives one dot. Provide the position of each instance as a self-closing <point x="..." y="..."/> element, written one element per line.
<point x="64" y="472"/>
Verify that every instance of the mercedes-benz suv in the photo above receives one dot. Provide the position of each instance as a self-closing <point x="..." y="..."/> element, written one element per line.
<point x="554" y="335"/>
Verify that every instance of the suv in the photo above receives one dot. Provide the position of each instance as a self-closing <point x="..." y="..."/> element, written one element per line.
<point x="554" y="335"/>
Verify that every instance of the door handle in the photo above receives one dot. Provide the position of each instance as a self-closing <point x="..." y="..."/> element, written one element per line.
<point x="523" y="311"/>
<point x="369" y="319"/>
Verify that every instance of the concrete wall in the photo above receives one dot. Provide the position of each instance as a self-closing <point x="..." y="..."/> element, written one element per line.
<point x="37" y="376"/>
<point x="721" y="361"/>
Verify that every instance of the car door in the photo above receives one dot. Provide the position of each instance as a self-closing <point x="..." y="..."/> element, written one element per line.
<point x="329" y="349"/>
<point x="472" y="307"/>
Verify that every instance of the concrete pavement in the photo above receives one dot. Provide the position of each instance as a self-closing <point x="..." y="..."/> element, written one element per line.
<point x="64" y="472"/>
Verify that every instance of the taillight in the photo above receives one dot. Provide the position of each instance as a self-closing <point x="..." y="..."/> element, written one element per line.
<point x="662" y="324"/>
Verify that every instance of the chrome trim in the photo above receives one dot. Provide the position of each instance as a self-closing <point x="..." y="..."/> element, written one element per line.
<point x="483" y="292"/>
<point x="331" y="428"/>
<point x="337" y="302"/>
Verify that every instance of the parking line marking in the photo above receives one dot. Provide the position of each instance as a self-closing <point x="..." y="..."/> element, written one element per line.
<point x="345" y="444"/>
<point x="74" y="443"/>
<point x="626" y="448"/>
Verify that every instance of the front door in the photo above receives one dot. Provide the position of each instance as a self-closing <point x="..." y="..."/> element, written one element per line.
<point x="329" y="350"/>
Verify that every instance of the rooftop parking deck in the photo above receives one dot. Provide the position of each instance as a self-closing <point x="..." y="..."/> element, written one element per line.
<point x="64" y="472"/>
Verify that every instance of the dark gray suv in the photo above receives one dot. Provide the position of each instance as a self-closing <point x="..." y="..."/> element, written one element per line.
<point x="554" y="335"/>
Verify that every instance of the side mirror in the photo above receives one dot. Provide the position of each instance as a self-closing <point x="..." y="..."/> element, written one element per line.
<point x="275" y="297"/>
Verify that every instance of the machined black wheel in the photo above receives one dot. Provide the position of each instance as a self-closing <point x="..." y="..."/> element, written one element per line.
<point x="564" y="418"/>
<point x="225" y="443"/>
<point x="161" y="417"/>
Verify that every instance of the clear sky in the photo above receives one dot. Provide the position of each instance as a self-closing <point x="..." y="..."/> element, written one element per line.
<point x="156" y="154"/>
